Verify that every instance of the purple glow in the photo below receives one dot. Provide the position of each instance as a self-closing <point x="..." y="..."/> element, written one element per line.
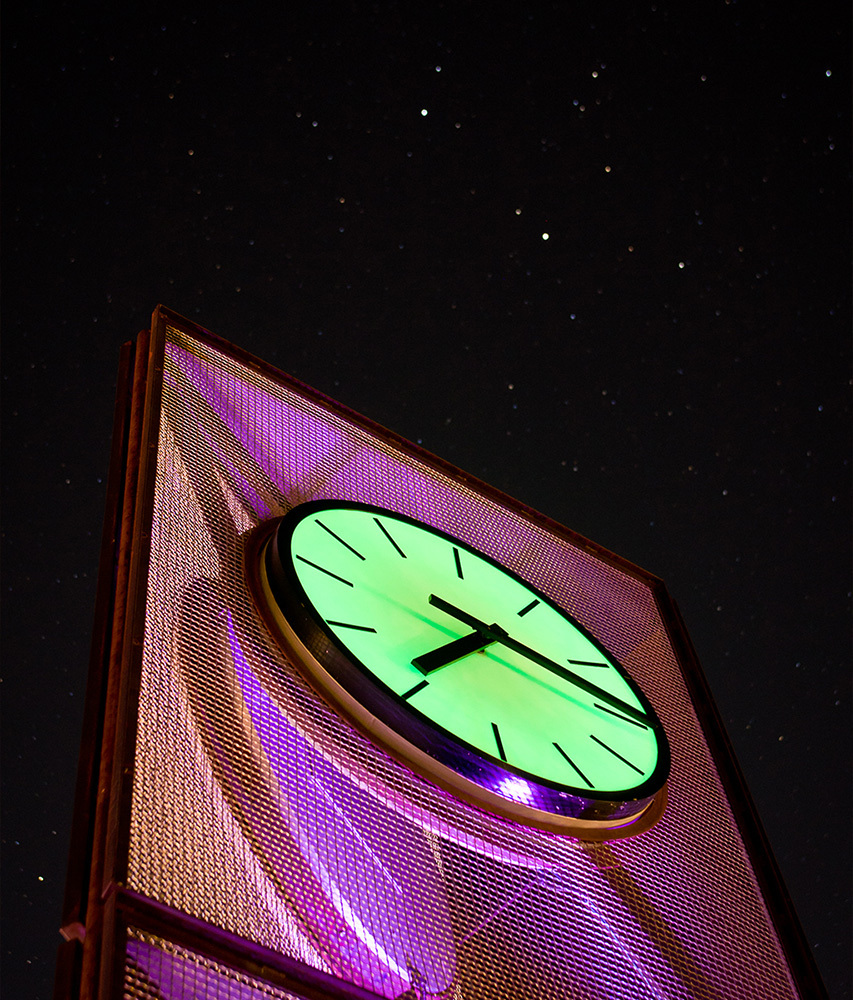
<point x="259" y="505"/>
<point x="322" y="809"/>
<point x="247" y="411"/>
<point x="516" y="789"/>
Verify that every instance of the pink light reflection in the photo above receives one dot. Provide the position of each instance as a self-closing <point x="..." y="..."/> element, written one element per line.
<point x="393" y="903"/>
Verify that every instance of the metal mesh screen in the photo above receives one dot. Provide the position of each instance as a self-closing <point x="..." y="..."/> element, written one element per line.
<point x="257" y="809"/>
<point x="156" y="969"/>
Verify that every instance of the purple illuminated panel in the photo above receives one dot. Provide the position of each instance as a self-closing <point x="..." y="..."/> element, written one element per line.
<point x="156" y="970"/>
<point x="257" y="809"/>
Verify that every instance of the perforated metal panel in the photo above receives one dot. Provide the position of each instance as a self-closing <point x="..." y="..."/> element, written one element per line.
<point x="157" y="969"/>
<point x="256" y="809"/>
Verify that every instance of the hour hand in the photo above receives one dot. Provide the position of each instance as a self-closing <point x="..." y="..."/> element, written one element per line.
<point x="453" y="650"/>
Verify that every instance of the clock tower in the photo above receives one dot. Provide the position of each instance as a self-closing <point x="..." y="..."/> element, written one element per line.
<point x="361" y="726"/>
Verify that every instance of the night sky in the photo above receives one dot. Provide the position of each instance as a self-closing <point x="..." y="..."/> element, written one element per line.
<point x="595" y="254"/>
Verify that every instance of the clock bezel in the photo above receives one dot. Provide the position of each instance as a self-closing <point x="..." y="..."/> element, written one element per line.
<point x="351" y="687"/>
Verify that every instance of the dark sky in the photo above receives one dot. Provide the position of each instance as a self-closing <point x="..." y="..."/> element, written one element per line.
<point x="595" y="254"/>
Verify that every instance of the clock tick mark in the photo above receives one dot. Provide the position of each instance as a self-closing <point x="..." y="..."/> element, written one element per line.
<point x="573" y="765"/>
<point x="412" y="691"/>
<point x="624" y="760"/>
<point x="587" y="663"/>
<point x="529" y="607"/>
<point x="358" y="628"/>
<point x="498" y="741"/>
<point x="618" y="715"/>
<point x="328" y="572"/>
<point x="338" y="538"/>
<point x="387" y="534"/>
<point x="458" y="560"/>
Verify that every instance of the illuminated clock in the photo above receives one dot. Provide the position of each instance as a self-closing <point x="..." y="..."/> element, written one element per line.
<point x="457" y="666"/>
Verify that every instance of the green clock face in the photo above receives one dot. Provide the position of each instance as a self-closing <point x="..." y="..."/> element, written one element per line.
<point x="470" y="674"/>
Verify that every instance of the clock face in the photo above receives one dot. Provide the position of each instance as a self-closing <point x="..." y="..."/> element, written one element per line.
<point x="463" y="669"/>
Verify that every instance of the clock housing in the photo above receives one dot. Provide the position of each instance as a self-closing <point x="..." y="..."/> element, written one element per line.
<point x="346" y="587"/>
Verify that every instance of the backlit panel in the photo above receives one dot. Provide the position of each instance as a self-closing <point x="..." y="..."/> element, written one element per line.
<point x="257" y="809"/>
<point x="155" y="969"/>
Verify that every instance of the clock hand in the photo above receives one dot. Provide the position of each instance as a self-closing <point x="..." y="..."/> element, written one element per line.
<point x="453" y="650"/>
<point x="496" y="634"/>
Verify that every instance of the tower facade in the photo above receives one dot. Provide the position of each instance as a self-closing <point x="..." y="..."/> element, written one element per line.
<point x="241" y="832"/>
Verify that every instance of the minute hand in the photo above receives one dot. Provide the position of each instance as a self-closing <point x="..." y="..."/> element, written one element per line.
<point x="497" y="634"/>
